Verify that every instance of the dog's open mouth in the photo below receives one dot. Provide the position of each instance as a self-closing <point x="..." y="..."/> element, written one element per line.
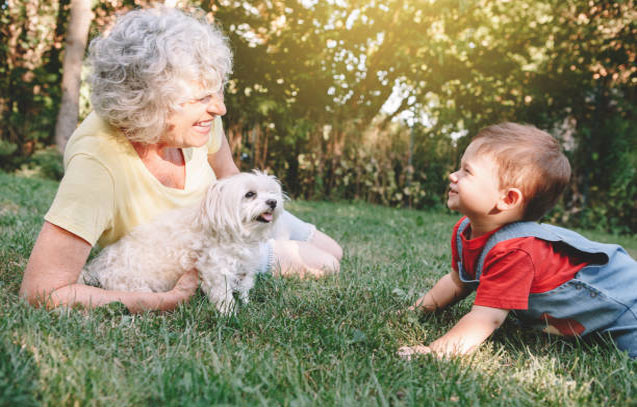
<point x="265" y="217"/>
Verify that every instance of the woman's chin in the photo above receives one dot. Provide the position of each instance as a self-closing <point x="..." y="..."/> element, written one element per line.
<point x="197" y="139"/>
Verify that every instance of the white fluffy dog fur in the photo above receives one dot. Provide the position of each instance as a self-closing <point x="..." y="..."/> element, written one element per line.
<point x="221" y="238"/>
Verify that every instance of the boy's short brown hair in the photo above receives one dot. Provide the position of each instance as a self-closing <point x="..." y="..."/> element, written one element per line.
<point x="529" y="159"/>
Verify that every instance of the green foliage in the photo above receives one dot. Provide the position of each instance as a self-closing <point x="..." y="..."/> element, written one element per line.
<point x="47" y="163"/>
<point x="459" y="66"/>
<point x="312" y="81"/>
<point x="328" y="342"/>
<point x="7" y="148"/>
<point x="381" y="172"/>
<point x="29" y="79"/>
<point x="609" y="181"/>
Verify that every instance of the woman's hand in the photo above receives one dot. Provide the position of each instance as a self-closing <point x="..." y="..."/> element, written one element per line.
<point x="185" y="288"/>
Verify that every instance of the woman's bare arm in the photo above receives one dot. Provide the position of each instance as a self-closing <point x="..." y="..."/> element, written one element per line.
<point x="50" y="278"/>
<point x="221" y="162"/>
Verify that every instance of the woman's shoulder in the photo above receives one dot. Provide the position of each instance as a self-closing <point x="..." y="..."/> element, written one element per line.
<point x="98" y="140"/>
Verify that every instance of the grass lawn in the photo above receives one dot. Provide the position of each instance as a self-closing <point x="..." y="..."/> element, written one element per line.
<point x="329" y="342"/>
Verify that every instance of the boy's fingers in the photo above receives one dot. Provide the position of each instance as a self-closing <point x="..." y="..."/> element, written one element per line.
<point x="406" y="352"/>
<point x="406" y="310"/>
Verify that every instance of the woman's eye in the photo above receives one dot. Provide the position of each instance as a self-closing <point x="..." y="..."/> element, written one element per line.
<point x="250" y="194"/>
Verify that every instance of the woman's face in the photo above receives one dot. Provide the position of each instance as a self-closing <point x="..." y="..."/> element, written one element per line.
<point x="190" y="127"/>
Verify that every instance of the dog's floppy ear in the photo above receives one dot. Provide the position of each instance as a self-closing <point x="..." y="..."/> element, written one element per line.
<point x="209" y="217"/>
<point x="219" y="212"/>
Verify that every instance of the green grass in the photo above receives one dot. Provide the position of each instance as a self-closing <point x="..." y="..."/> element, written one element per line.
<point x="329" y="342"/>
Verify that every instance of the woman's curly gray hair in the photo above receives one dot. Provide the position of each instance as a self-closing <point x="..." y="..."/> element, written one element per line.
<point x="149" y="64"/>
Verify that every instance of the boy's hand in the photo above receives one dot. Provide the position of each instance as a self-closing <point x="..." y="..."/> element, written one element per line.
<point x="406" y="352"/>
<point x="472" y="329"/>
<point x="408" y="310"/>
<point x="426" y="303"/>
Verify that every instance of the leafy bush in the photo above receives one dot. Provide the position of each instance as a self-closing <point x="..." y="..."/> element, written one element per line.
<point x="48" y="163"/>
<point x="603" y="194"/>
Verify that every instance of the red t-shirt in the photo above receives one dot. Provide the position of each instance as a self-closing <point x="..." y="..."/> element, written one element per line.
<point x="515" y="268"/>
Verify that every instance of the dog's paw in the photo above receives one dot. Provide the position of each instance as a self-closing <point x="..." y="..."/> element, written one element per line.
<point x="226" y="306"/>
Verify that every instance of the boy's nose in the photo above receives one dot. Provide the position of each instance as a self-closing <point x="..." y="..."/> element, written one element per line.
<point x="453" y="177"/>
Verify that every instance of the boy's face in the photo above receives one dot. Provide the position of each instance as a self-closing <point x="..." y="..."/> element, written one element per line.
<point x="474" y="189"/>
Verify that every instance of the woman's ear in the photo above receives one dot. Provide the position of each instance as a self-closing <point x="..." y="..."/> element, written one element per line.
<point x="512" y="198"/>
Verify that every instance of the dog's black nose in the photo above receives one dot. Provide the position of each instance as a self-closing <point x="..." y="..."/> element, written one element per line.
<point x="271" y="203"/>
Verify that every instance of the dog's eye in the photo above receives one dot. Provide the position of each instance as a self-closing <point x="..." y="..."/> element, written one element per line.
<point x="250" y="194"/>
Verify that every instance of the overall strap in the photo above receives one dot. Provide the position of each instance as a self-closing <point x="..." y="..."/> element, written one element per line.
<point x="461" y="271"/>
<point x="512" y="231"/>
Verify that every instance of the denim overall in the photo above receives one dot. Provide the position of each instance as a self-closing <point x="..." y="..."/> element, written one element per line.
<point x="602" y="297"/>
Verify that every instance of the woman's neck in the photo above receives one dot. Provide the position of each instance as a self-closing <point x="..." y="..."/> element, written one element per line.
<point x="165" y="163"/>
<point x="158" y="152"/>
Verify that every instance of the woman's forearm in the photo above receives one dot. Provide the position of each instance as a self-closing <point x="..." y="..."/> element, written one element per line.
<point x="221" y="161"/>
<point x="92" y="297"/>
<point x="55" y="264"/>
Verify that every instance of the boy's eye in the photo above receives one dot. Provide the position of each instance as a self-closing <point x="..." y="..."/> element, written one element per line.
<point x="206" y="99"/>
<point x="250" y="194"/>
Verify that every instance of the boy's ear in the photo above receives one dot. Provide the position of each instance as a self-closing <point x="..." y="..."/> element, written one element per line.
<point x="511" y="198"/>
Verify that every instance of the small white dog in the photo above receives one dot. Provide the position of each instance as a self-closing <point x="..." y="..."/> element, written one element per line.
<point x="221" y="238"/>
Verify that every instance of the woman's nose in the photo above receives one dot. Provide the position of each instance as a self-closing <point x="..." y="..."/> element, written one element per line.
<point x="217" y="106"/>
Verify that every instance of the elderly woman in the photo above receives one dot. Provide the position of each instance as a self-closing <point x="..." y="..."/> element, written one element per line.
<point x="153" y="143"/>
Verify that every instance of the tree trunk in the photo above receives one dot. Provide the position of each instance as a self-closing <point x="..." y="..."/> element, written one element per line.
<point x="76" y="38"/>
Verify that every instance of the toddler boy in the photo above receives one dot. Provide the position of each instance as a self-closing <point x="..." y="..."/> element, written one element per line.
<point x="549" y="277"/>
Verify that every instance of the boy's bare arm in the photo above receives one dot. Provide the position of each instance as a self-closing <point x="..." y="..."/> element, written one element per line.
<point x="448" y="290"/>
<point x="472" y="329"/>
